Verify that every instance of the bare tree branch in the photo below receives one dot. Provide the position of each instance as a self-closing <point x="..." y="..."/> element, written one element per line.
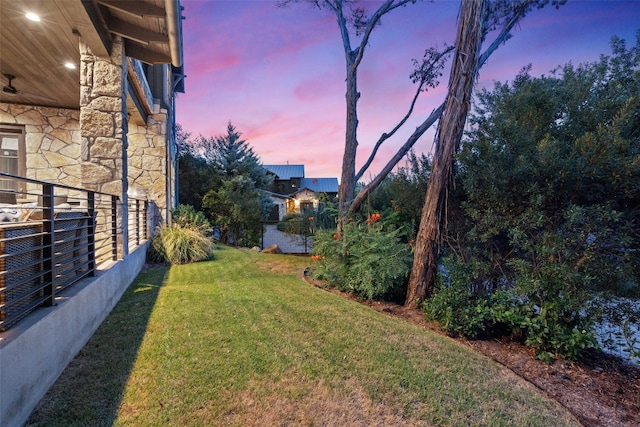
<point x="518" y="11"/>
<point x="385" y="8"/>
<point x="424" y="80"/>
<point x="399" y="155"/>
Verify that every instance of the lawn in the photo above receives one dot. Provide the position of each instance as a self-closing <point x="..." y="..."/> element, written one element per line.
<point x="242" y="340"/>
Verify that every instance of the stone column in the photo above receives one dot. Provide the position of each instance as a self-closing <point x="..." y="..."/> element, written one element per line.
<point x="103" y="128"/>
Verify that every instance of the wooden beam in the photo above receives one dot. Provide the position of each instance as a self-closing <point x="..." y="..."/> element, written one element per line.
<point x="148" y="56"/>
<point x="90" y="26"/>
<point x="135" y="33"/>
<point x="138" y="9"/>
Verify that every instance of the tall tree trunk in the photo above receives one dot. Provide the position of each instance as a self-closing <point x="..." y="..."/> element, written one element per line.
<point x="451" y="125"/>
<point x="347" y="178"/>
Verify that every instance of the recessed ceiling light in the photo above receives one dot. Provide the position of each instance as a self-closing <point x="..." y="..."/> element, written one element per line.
<point x="32" y="16"/>
<point x="70" y="65"/>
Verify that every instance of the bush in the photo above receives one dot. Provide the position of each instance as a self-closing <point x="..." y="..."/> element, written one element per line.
<point x="458" y="312"/>
<point x="547" y="194"/>
<point x="182" y="245"/>
<point x="187" y="216"/>
<point x="552" y="325"/>
<point x="368" y="260"/>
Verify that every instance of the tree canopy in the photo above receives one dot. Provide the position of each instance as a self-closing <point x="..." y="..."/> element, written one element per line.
<point x="551" y="171"/>
<point x="549" y="196"/>
<point x="224" y="177"/>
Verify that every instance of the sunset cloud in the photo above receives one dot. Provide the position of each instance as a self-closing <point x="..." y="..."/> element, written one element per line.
<point x="278" y="74"/>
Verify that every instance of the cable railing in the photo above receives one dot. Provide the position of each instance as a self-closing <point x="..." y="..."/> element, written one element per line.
<point x="52" y="236"/>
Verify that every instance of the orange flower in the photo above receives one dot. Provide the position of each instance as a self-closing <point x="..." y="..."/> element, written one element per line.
<point x="311" y="218"/>
<point x="336" y="236"/>
<point x="374" y="218"/>
<point x="315" y="257"/>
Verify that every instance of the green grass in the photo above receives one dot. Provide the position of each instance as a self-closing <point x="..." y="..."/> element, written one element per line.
<point x="243" y="340"/>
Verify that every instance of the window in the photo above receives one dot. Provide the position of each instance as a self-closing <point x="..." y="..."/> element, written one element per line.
<point x="12" y="155"/>
<point x="306" y="208"/>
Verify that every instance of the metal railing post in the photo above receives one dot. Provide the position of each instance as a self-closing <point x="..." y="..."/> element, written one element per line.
<point x="91" y="231"/>
<point x="145" y="223"/>
<point x="137" y="222"/>
<point x="48" y="241"/>
<point x="114" y="228"/>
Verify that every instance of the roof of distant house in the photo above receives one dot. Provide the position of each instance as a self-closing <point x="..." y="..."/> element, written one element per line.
<point x="320" y="185"/>
<point x="286" y="171"/>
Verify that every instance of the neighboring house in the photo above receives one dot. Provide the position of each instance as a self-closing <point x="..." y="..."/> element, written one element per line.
<point x="87" y="101"/>
<point x="293" y="193"/>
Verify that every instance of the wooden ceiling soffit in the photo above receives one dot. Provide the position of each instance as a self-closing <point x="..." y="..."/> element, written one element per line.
<point x="144" y="54"/>
<point x="134" y="8"/>
<point x="135" y="33"/>
<point x="97" y="37"/>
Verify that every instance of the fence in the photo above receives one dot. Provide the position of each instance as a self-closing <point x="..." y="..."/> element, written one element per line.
<point x="52" y="236"/>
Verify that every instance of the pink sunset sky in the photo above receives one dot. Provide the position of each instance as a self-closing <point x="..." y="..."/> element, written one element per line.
<point x="278" y="74"/>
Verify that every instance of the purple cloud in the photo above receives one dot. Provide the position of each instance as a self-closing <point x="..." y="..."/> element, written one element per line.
<point x="278" y="73"/>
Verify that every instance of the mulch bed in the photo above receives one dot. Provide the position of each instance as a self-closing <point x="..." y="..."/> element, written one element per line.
<point x="602" y="390"/>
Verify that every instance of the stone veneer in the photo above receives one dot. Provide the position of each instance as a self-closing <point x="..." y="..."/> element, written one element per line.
<point x="97" y="147"/>
<point x="52" y="141"/>
<point x="147" y="154"/>
<point x="103" y="124"/>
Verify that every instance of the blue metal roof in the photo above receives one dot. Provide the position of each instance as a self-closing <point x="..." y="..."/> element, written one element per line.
<point x="320" y="185"/>
<point x="286" y="171"/>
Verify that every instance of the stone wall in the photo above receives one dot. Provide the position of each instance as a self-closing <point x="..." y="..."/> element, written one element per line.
<point x="147" y="154"/>
<point x="52" y="141"/>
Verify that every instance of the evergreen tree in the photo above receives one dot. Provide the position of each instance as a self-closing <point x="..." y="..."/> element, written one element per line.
<point x="232" y="156"/>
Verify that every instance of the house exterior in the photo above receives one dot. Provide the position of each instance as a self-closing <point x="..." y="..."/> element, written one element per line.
<point x="88" y="95"/>
<point x="293" y="193"/>
<point x="88" y="102"/>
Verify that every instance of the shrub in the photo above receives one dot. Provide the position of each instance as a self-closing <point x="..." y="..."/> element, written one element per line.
<point x="458" y="312"/>
<point x="547" y="195"/>
<point x="187" y="216"/>
<point x="367" y="259"/>
<point x="182" y="245"/>
<point x="552" y="324"/>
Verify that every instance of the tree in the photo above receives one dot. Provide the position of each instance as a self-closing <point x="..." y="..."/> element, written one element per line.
<point x="232" y="156"/>
<point x="238" y="210"/>
<point x="471" y="29"/>
<point x="549" y="199"/>
<point x="550" y="176"/>
<point x="223" y="176"/>
<point x="355" y="24"/>
<point x="359" y="25"/>
<point x="499" y="14"/>
<point x="195" y="176"/>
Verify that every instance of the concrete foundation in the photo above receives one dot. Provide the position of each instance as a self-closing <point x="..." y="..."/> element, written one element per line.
<point x="34" y="353"/>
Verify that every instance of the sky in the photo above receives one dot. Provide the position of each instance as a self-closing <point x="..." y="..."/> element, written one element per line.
<point x="278" y="74"/>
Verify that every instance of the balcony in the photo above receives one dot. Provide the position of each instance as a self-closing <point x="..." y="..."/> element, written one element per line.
<point x="53" y="236"/>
